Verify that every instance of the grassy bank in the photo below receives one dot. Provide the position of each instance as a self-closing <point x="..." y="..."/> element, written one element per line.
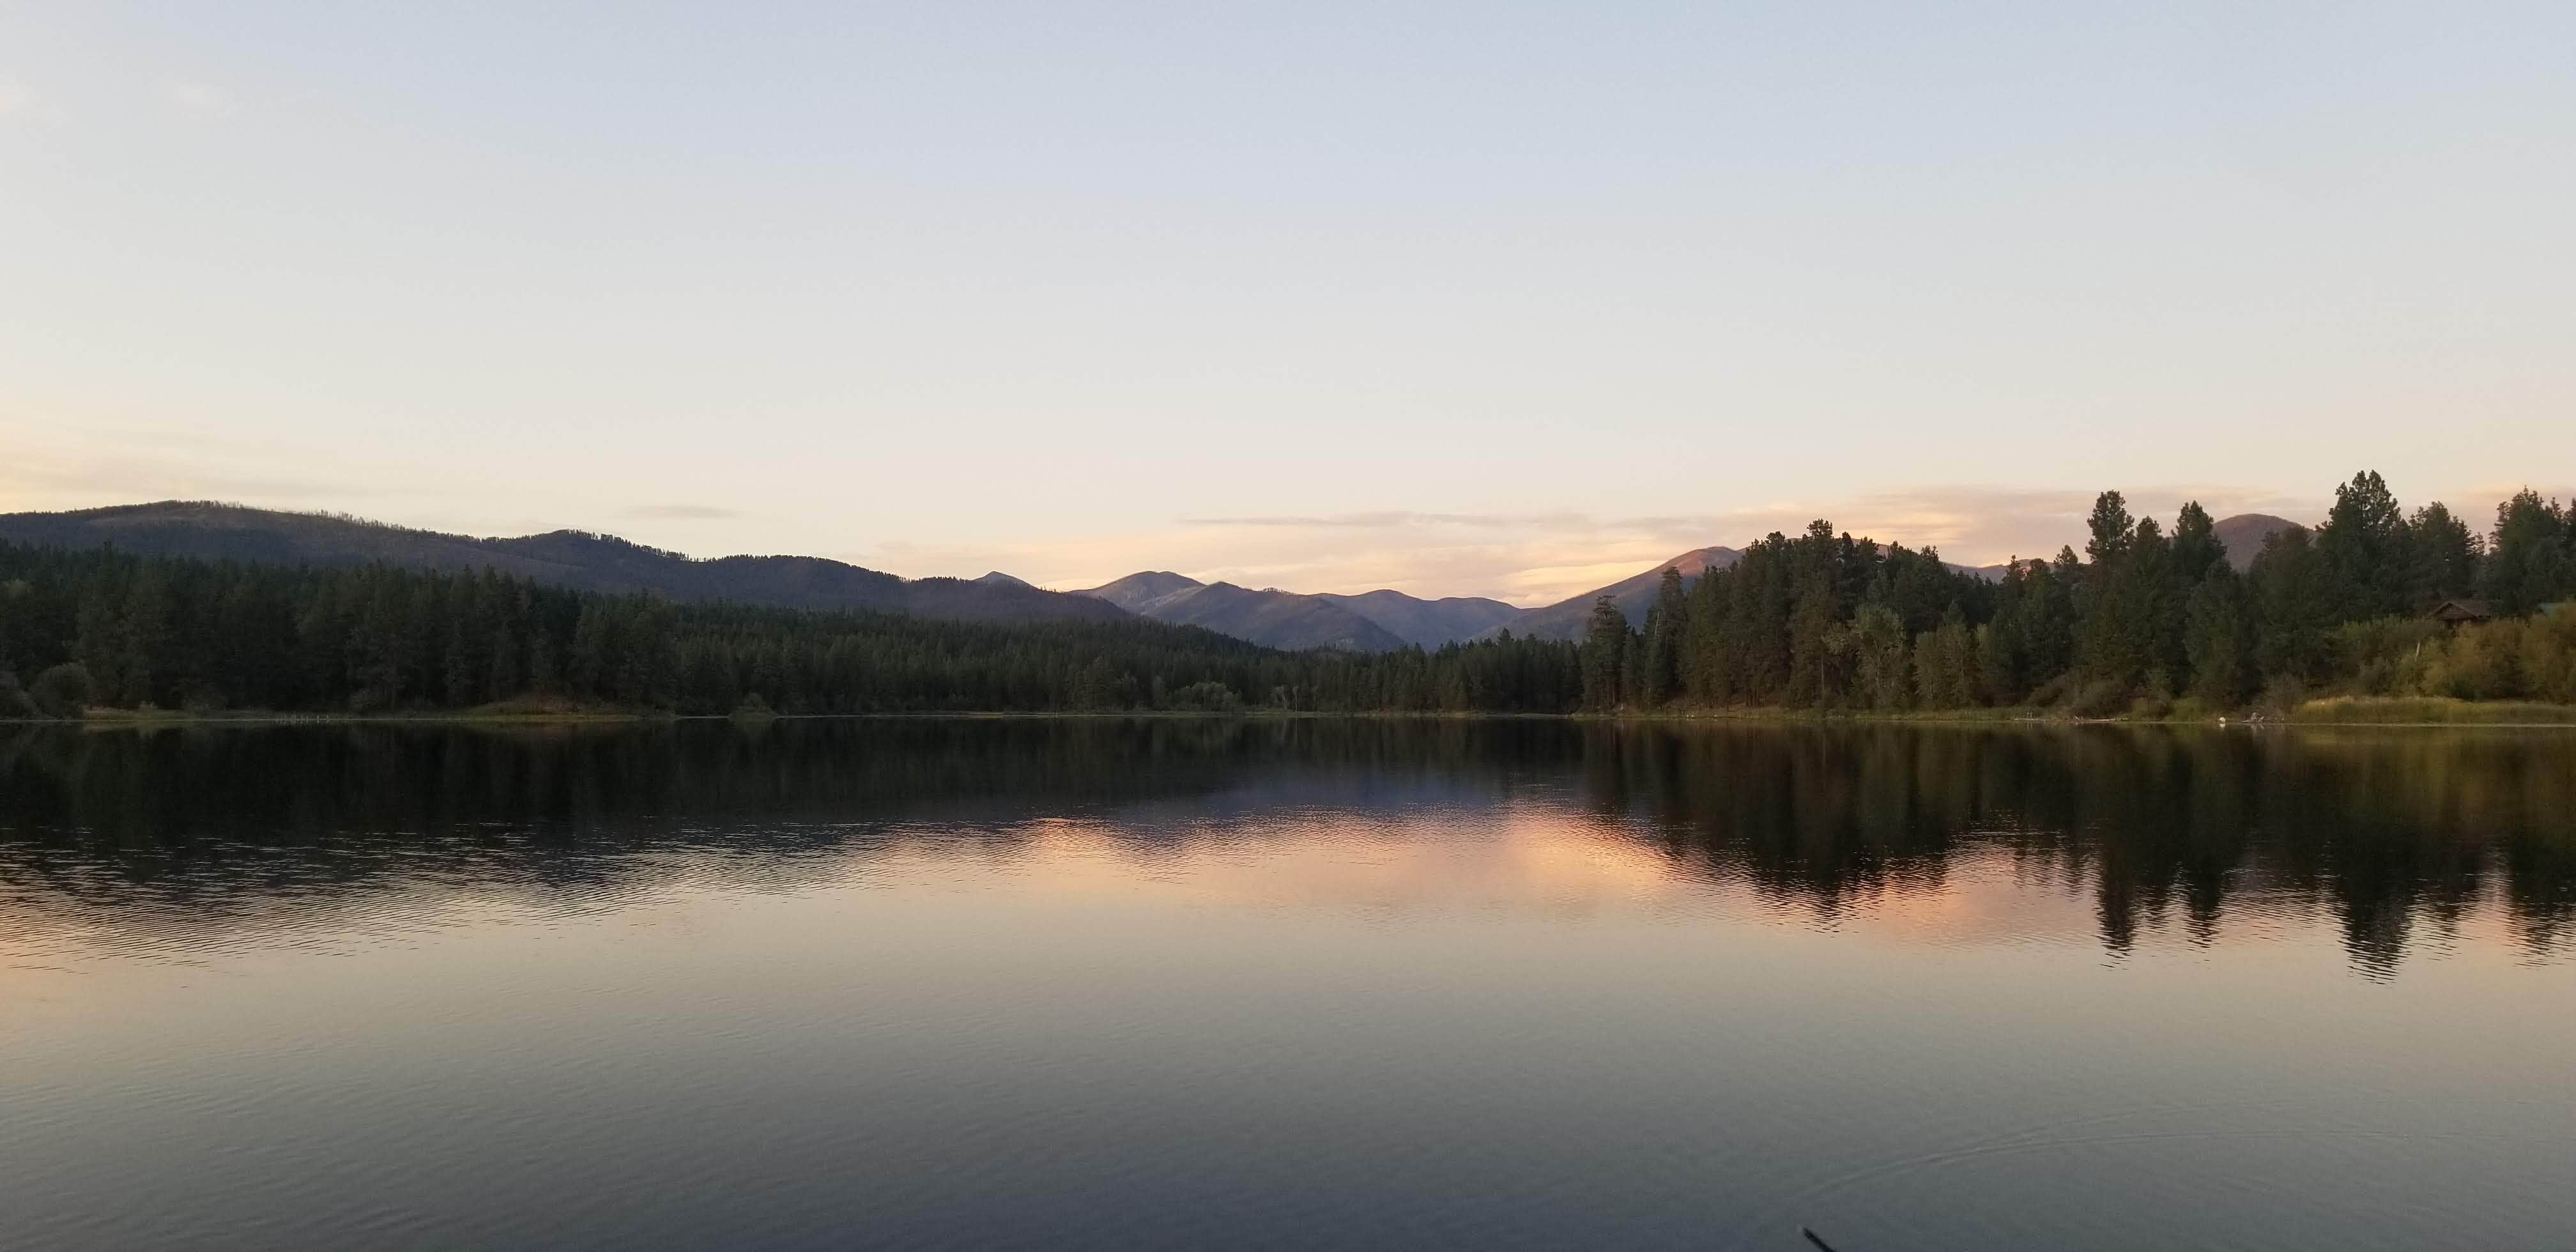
<point x="2429" y="711"/>
<point x="2334" y="711"/>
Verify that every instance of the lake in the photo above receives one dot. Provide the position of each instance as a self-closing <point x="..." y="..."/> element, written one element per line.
<point x="1178" y="983"/>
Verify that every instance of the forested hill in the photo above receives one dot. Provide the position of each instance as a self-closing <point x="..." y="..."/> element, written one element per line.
<point x="1372" y="621"/>
<point x="103" y="626"/>
<point x="1427" y="623"/>
<point x="2241" y="537"/>
<point x="563" y="558"/>
<point x="1568" y="618"/>
<point x="2376" y="602"/>
<point x="1275" y="619"/>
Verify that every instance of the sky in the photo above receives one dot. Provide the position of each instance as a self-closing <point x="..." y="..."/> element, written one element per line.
<point x="1484" y="299"/>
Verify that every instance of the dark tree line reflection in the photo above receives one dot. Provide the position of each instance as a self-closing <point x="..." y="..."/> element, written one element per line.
<point x="2390" y="829"/>
<point x="2395" y="832"/>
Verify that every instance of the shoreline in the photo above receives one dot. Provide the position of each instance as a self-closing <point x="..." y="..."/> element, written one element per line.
<point x="2330" y="713"/>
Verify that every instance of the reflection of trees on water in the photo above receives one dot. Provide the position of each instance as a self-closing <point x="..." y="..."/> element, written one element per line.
<point x="2398" y="833"/>
<point x="231" y="826"/>
<point x="2393" y="830"/>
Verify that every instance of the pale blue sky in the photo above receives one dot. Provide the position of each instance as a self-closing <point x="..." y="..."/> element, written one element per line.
<point x="1454" y="298"/>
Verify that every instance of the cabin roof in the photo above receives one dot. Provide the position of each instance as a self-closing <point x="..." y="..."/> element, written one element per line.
<point x="2462" y="610"/>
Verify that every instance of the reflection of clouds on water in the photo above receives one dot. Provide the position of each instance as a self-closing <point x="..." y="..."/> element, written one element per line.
<point x="165" y="845"/>
<point x="1520" y="857"/>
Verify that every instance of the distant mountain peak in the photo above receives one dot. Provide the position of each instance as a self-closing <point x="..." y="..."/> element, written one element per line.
<point x="1699" y="561"/>
<point x="2243" y="535"/>
<point x="1565" y="619"/>
<point x="1140" y="588"/>
<point x="1271" y="617"/>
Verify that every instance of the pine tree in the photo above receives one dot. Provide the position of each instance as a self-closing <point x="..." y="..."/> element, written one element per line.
<point x="1945" y="664"/>
<point x="1605" y="654"/>
<point x="2294" y="606"/>
<point x="2218" y="638"/>
<point x="2441" y="557"/>
<point x="2362" y="550"/>
<point x="587" y="667"/>
<point x="2528" y="561"/>
<point x="1660" y="668"/>
<point x="2195" y="548"/>
<point x="100" y="646"/>
<point x="1881" y="669"/>
<point x="144" y="636"/>
<point x="501" y="663"/>
<point x="2111" y="527"/>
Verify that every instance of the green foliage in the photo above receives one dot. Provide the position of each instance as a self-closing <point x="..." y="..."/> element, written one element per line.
<point x="2137" y="623"/>
<point x="176" y="632"/>
<point x="1207" y="697"/>
<point x="2438" y="710"/>
<point x="2218" y="638"/>
<point x="2389" y="655"/>
<point x="1945" y="665"/>
<point x="2196" y="549"/>
<point x="2529" y="562"/>
<point x="2102" y="697"/>
<point x="63" y="690"/>
<point x="2441" y="557"/>
<point x="1880" y="668"/>
<point x="2526" y="658"/>
<point x="2110" y="526"/>
<point x="2364" y="548"/>
<point x="2294" y="606"/>
<point x="1659" y="659"/>
<point x="15" y="704"/>
<point x="2030" y="639"/>
<point x="1606" y="642"/>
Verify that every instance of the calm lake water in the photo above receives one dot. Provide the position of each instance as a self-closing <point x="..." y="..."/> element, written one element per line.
<point x="1103" y="984"/>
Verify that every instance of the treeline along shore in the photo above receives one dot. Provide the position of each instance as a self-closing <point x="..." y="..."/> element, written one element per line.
<point x="2148" y="621"/>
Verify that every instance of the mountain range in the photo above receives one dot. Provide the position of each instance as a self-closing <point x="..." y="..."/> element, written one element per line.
<point x="1280" y="619"/>
<point x="1375" y="621"/>
<point x="1566" y="618"/>
<point x="568" y="558"/>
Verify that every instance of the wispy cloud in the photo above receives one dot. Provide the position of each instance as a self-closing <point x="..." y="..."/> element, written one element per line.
<point x="683" y="512"/>
<point x="2473" y="503"/>
<point x="61" y="460"/>
<point x="1395" y="519"/>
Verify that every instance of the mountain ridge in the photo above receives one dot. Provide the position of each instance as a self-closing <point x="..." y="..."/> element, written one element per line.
<point x="1274" y="618"/>
<point x="1372" y="621"/>
<point x="582" y="560"/>
<point x="1428" y="623"/>
<point x="1566" y="618"/>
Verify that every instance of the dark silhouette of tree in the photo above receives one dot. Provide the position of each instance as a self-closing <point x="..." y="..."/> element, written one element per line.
<point x="2528" y="562"/>
<point x="1605" y="655"/>
<point x="2441" y="557"/>
<point x="2363" y="549"/>
<point x="2218" y="638"/>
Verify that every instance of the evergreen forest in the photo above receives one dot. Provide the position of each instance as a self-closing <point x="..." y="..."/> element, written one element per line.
<point x="2147" y="620"/>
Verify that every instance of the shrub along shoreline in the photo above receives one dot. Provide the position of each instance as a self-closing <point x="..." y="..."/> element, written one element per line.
<point x="2354" y="711"/>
